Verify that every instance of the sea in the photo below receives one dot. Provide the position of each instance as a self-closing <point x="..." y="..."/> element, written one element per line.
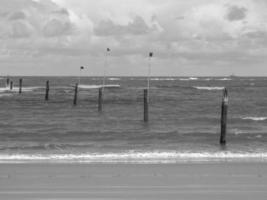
<point x="184" y="120"/>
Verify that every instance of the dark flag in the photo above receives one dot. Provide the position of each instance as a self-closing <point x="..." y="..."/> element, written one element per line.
<point x="151" y="54"/>
<point x="108" y="49"/>
<point x="82" y="67"/>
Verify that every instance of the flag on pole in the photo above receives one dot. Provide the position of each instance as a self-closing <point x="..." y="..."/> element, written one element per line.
<point x="82" y="67"/>
<point x="151" y="54"/>
<point x="108" y="49"/>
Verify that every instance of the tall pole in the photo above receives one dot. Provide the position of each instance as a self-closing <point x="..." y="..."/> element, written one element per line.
<point x="7" y="82"/>
<point x="47" y="91"/>
<point x="224" y="109"/>
<point x="75" y="94"/>
<point x="20" y="86"/>
<point x="149" y="72"/>
<point x="81" y="68"/>
<point x="105" y="68"/>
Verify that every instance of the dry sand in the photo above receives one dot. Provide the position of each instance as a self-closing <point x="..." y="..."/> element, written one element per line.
<point x="131" y="181"/>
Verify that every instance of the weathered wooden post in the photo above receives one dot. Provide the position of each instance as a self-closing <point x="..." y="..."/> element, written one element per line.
<point x="7" y="82"/>
<point x="224" y="110"/>
<point x="145" y="105"/>
<point x="75" y="94"/>
<point x="20" y="85"/>
<point x="11" y="85"/>
<point x="47" y="91"/>
<point x="100" y="99"/>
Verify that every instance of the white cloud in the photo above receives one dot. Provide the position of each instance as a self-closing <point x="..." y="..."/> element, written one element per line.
<point x="188" y="32"/>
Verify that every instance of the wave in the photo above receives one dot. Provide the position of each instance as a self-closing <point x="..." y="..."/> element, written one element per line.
<point x="5" y="95"/>
<point x="90" y="86"/>
<point x="163" y="79"/>
<point x="98" y="86"/>
<point x="114" y="79"/>
<point x="207" y="79"/>
<point x="188" y="79"/>
<point x="4" y="89"/>
<point x="135" y="157"/>
<point x="16" y="89"/>
<point x="208" y="88"/>
<point x="224" y="79"/>
<point x="255" y="118"/>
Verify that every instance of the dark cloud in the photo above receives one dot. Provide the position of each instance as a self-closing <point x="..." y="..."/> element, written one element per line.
<point x="17" y="15"/>
<point x="108" y="28"/>
<point x="236" y="13"/>
<point x="20" y="29"/>
<point x="3" y="13"/>
<point x="57" y="27"/>
<point x="62" y="11"/>
<point x="180" y="18"/>
<point x="256" y="34"/>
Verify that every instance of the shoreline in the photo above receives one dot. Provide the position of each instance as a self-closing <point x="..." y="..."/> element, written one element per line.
<point x="134" y="181"/>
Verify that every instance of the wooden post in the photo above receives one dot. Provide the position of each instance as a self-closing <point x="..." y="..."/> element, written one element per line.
<point x="7" y="82"/>
<point x="20" y="85"/>
<point x="47" y="91"/>
<point x="100" y="99"/>
<point x="145" y="105"/>
<point x="75" y="94"/>
<point x="224" y="117"/>
<point x="11" y="85"/>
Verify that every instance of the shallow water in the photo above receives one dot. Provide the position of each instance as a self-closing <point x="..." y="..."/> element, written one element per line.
<point x="184" y="120"/>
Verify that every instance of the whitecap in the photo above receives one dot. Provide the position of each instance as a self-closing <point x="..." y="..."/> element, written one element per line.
<point x="134" y="157"/>
<point x="90" y="86"/>
<point x="224" y="79"/>
<point x="98" y="86"/>
<point x="163" y="79"/>
<point x="114" y="79"/>
<point x="255" y="118"/>
<point x="5" y="95"/>
<point x="188" y="79"/>
<point x="208" y="88"/>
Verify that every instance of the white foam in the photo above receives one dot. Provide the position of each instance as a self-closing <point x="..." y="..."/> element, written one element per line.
<point x="255" y="118"/>
<point x="208" y="88"/>
<point x="163" y="79"/>
<point x="5" y="95"/>
<point x="224" y="79"/>
<point x="134" y="157"/>
<point x="114" y="79"/>
<point x="16" y="89"/>
<point x="98" y="86"/>
<point x="188" y="79"/>
<point x="90" y="86"/>
<point x="4" y="89"/>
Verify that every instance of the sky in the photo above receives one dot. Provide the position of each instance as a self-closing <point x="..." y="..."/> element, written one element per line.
<point x="188" y="38"/>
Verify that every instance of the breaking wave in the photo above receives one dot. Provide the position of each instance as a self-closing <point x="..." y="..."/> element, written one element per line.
<point x="224" y="79"/>
<point x="188" y="79"/>
<point x="163" y="79"/>
<point x="16" y="89"/>
<point x="98" y="86"/>
<point x="135" y="157"/>
<point x="255" y="118"/>
<point x="208" y="88"/>
<point x="114" y="79"/>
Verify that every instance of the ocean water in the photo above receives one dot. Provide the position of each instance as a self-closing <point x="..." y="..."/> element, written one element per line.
<point x="184" y="121"/>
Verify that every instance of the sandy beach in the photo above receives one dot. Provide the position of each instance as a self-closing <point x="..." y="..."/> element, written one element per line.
<point x="132" y="181"/>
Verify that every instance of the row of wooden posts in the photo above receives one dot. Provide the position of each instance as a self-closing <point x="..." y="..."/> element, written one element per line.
<point x="10" y="84"/>
<point x="224" y="106"/>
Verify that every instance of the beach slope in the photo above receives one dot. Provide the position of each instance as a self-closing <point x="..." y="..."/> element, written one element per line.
<point x="199" y="181"/>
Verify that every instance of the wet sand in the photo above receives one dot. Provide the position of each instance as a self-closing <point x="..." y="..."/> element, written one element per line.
<point x="131" y="181"/>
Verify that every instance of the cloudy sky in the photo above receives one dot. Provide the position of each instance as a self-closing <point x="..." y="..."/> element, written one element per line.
<point x="188" y="37"/>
